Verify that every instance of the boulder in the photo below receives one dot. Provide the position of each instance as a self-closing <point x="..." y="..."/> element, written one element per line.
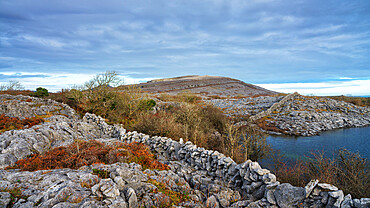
<point x="287" y="195"/>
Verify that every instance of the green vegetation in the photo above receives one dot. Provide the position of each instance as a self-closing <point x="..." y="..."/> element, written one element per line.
<point x="175" y="197"/>
<point x="41" y="92"/>
<point x="15" y="194"/>
<point x="101" y="173"/>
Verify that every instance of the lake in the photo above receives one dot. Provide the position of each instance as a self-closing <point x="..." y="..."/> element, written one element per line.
<point x="353" y="139"/>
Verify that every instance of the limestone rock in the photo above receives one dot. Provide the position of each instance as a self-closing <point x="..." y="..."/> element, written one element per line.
<point x="310" y="186"/>
<point x="4" y="199"/>
<point x="106" y="188"/>
<point x="212" y="202"/>
<point x="287" y="195"/>
<point x="131" y="198"/>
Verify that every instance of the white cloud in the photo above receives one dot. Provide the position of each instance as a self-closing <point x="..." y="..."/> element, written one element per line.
<point x="56" y="81"/>
<point x="352" y="87"/>
<point x="44" y="41"/>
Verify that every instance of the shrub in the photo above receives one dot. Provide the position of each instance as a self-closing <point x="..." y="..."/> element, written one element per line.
<point x="346" y="170"/>
<point x="175" y="197"/>
<point x="101" y="173"/>
<point x="205" y="126"/>
<point x="188" y="121"/>
<point x="245" y="142"/>
<point x="41" y="92"/>
<point x="8" y="123"/>
<point x="146" y="104"/>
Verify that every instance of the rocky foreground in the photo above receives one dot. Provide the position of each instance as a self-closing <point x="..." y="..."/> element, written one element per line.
<point x="295" y="114"/>
<point x="201" y="178"/>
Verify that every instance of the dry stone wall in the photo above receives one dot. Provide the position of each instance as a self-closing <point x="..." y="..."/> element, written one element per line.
<point x="249" y="178"/>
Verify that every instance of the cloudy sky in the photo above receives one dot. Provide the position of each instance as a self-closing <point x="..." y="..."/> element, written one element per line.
<point x="313" y="47"/>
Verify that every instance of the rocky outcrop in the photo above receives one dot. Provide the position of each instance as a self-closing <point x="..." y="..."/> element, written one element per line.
<point x="25" y="106"/>
<point x="249" y="106"/>
<point x="297" y="115"/>
<point x="61" y="127"/>
<point x="208" y="177"/>
<point x="308" y="116"/>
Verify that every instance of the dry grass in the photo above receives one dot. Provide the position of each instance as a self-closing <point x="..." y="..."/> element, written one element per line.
<point x="263" y="124"/>
<point x="360" y="101"/>
<point x="174" y="197"/>
<point x="205" y="126"/>
<point x="17" y="92"/>
<point x="8" y="123"/>
<point x="181" y="97"/>
<point x="348" y="171"/>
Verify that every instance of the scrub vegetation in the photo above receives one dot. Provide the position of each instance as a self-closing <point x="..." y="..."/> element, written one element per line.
<point x="346" y="170"/>
<point x="82" y="153"/>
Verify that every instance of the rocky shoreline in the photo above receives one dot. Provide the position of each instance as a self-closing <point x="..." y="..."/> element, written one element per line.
<point x="208" y="178"/>
<point x="295" y="114"/>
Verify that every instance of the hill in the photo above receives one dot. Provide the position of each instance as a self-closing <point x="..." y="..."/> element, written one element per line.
<point x="204" y="85"/>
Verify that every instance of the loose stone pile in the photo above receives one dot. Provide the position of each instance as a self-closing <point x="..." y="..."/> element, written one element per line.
<point x="209" y="178"/>
<point x="245" y="106"/>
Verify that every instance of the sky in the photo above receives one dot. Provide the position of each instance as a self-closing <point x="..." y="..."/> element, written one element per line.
<point x="312" y="47"/>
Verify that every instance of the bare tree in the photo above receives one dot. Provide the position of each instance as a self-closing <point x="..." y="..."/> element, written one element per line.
<point x="106" y="79"/>
<point x="12" y="86"/>
<point x="245" y="142"/>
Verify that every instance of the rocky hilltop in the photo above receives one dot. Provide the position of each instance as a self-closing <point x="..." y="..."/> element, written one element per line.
<point x="204" y="85"/>
<point x="295" y="114"/>
<point x="205" y="178"/>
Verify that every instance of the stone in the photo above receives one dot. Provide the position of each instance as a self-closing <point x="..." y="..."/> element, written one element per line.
<point x="4" y="199"/>
<point x="361" y="203"/>
<point x="120" y="182"/>
<point x="326" y="186"/>
<point x="269" y="194"/>
<point x="212" y="202"/>
<point x="119" y="203"/>
<point x="106" y="188"/>
<point x="287" y="195"/>
<point x="310" y="186"/>
<point x="269" y="178"/>
<point x="243" y="203"/>
<point x="336" y="198"/>
<point x="259" y="193"/>
<point x="347" y="201"/>
<point x="325" y="197"/>
<point x="131" y="198"/>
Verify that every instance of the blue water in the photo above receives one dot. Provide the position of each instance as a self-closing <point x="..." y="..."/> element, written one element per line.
<point x="353" y="139"/>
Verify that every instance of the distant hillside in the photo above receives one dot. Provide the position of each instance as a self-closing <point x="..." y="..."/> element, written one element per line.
<point x="204" y="85"/>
